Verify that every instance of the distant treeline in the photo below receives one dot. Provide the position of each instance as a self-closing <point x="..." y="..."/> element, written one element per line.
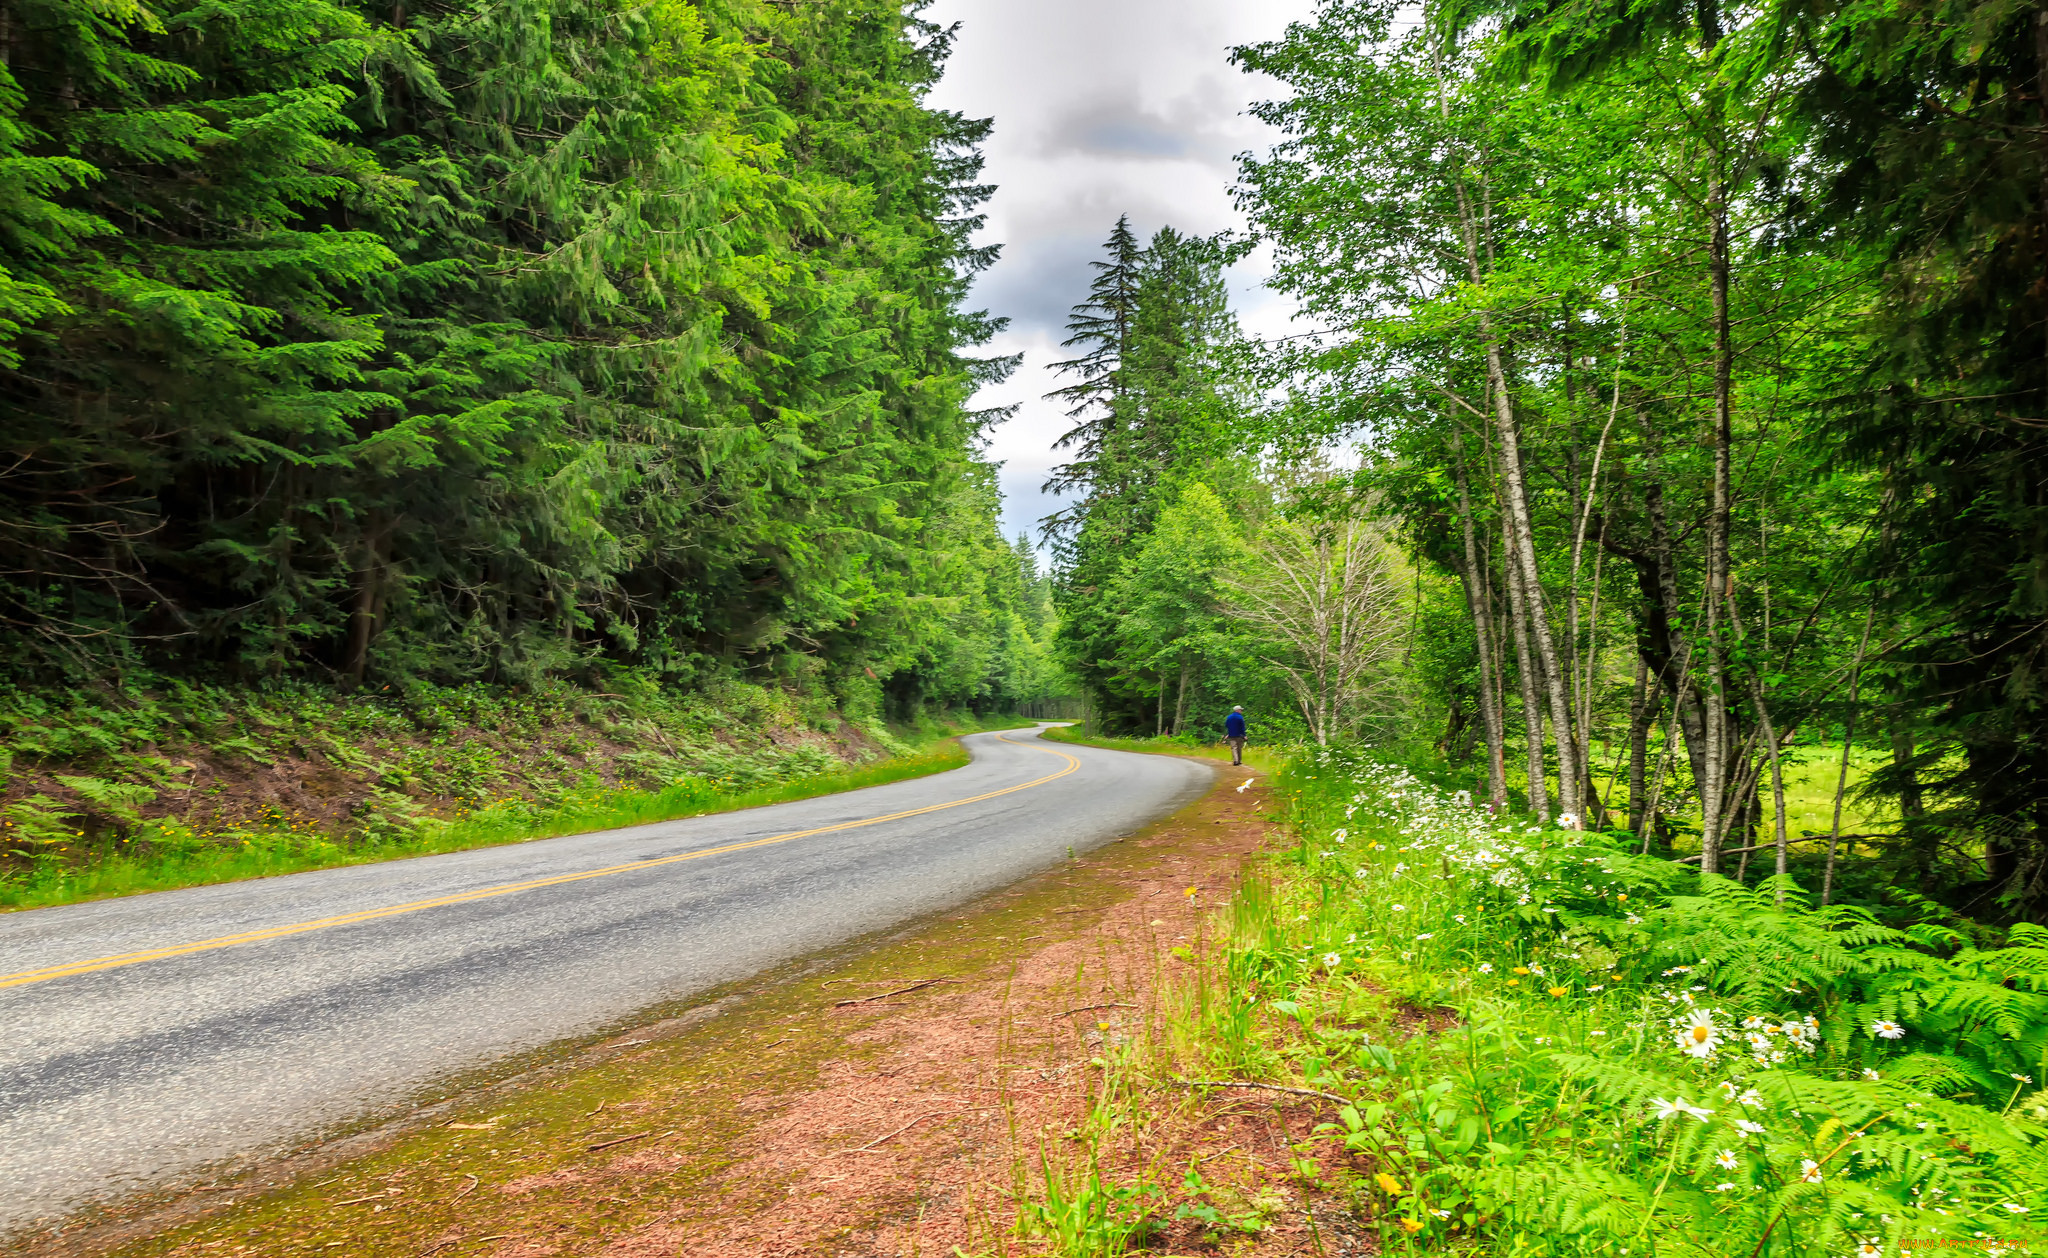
<point x="497" y="340"/>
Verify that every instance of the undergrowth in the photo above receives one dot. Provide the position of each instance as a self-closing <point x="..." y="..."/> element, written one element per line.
<point x="1531" y="1041"/>
<point x="104" y="795"/>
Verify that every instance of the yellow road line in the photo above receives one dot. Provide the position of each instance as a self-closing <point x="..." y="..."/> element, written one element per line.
<point x="25" y="977"/>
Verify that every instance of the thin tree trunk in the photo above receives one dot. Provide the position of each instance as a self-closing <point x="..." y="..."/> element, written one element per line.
<point x="1720" y="575"/>
<point x="1536" y="617"/>
<point x="1596" y="811"/>
<point x="1581" y="515"/>
<point x="1680" y="680"/>
<point x="1521" y="540"/>
<point x="1641" y="712"/>
<point x="1827" y="882"/>
<point x="1532" y="710"/>
<point x="1770" y="738"/>
<point x="1479" y="596"/>
<point x="1689" y="711"/>
<point x="369" y="599"/>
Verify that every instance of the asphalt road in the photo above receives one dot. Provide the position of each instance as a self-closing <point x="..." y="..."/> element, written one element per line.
<point x="132" y="1059"/>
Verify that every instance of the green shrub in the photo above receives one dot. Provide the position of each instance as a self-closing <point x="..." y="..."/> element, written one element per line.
<point x="1634" y="1063"/>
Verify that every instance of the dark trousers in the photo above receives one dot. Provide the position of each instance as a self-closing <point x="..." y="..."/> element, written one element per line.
<point x="1236" y="749"/>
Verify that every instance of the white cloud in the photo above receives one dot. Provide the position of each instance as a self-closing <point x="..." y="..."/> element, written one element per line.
<point x="1101" y="108"/>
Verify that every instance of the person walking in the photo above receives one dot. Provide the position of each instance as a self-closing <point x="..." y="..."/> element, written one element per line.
<point x="1233" y="733"/>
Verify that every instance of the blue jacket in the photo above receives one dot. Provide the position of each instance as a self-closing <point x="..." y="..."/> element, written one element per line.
<point x="1233" y="725"/>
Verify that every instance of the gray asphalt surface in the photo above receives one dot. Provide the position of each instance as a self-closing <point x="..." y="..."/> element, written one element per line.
<point x="146" y="1075"/>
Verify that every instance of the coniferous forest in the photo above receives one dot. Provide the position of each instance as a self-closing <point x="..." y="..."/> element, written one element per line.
<point x="487" y="404"/>
<point x="488" y="342"/>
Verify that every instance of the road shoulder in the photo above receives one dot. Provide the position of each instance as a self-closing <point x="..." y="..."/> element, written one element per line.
<point x="827" y="1099"/>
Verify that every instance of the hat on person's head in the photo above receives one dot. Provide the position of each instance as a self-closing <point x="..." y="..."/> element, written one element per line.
<point x="1237" y="709"/>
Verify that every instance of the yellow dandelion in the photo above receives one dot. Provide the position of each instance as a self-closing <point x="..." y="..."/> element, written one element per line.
<point x="1410" y="1226"/>
<point x="1521" y="969"/>
<point x="1388" y="1184"/>
<point x="1514" y="982"/>
<point x="1557" y="991"/>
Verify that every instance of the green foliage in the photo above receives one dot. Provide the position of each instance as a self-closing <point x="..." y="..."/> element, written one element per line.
<point x="1161" y="504"/>
<point x="498" y="341"/>
<point x="1669" y="293"/>
<point x="1631" y="1065"/>
<point x="1082" y="1217"/>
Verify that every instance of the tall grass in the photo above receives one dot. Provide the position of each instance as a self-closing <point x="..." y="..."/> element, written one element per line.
<point x="1530" y="1041"/>
<point x="1625" y="1061"/>
<point x="167" y="854"/>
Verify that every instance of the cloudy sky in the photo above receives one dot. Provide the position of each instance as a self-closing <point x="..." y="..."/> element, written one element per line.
<point x="1101" y="108"/>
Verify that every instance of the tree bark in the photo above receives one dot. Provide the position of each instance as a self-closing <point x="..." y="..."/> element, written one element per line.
<point x="1521" y="541"/>
<point x="1479" y="597"/>
<point x="1720" y="576"/>
<point x="1642" y="711"/>
<point x="1532" y="710"/>
<point x="368" y="607"/>
<point x="1770" y="738"/>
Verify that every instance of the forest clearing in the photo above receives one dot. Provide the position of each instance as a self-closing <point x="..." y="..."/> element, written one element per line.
<point x="1592" y="452"/>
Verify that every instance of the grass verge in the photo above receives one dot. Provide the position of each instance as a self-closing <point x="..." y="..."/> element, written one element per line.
<point x="181" y="857"/>
<point x="1492" y="1037"/>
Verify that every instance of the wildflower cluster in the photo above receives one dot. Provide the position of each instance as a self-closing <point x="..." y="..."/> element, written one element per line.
<point x="1638" y="1062"/>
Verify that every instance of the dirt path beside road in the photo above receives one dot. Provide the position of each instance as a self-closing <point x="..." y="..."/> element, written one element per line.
<point x="889" y="1101"/>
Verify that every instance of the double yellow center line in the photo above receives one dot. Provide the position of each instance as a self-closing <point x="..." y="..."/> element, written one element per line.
<point x="26" y="977"/>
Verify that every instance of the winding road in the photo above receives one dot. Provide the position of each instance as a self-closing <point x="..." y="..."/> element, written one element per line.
<point x="147" y="1039"/>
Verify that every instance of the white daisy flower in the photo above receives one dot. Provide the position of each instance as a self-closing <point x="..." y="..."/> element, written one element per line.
<point x="1885" y="1028"/>
<point x="1725" y="1159"/>
<point x="1331" y="960"/>
<point x="1699" y="1037"/>
<point x="1748" y="1128"/>
<point x="1809" y="1171"/>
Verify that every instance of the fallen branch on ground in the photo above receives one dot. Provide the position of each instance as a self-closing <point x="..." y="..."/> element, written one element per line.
<point x="622" y="1140"/>
<point x="1797" y="838"/>
<point x="937" y="1113"/>
<point x="861" y="1000"/>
